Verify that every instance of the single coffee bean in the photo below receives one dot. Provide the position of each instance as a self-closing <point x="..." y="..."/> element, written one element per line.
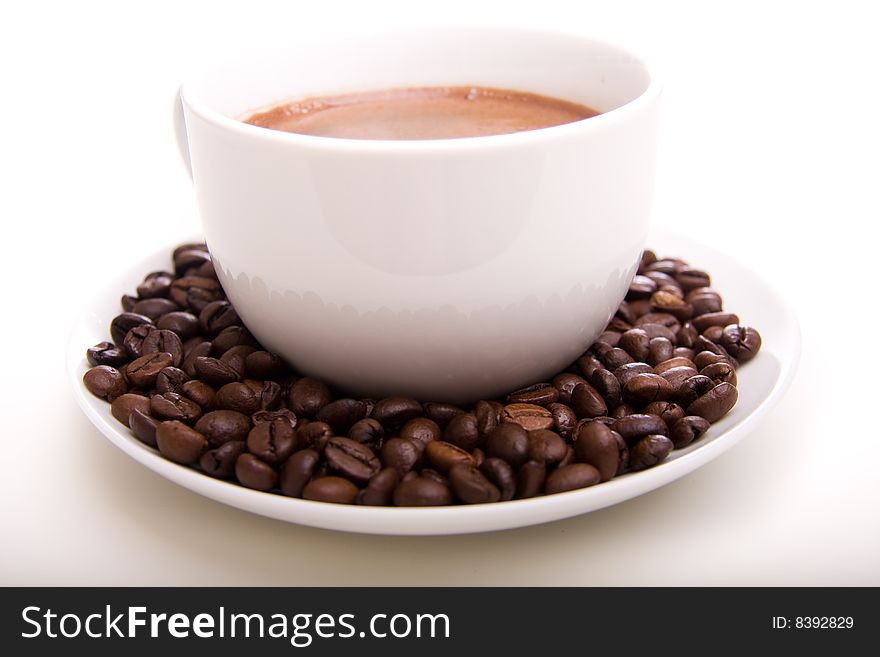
<point x="638" y="425"/>
<point x="368" y="431"/>
<point x="255" y="473"/>
<point x="586" y="401"/>
<point x="668" y="411"/>
<point x="672" y="362"/>
<point x="106" y="353"/>
<point x="265" y="365"/>
<point x="297" y="471"/>
<point x="236" y="356"/>
<point x="565" y="384"/>
<point x="271" y="416"/>
<point x="647" y="388"/>
<point x="216" y="316"/>
<point x="230" y="337"/>
<point x="659" y="350"/>
<point x="626" y="372"/>
<point x="189" y="255"/>
<point x="647" y="259"/>
<point x="198" y="350"/>
<point x="690" y="278"/>
<point x="314" y="435"/>
<point x="501" y="475"/>
<point x="546" y="447"/>
<point x="686" y="335"/>
<point x="272" y="441"/>
<point x="420" y="431"/>
<point x="105" y="381"/>
<point x="172" y="406"/>
<point x="479" y="456"/>
<point x="648" y="452"/>
<point x="220" y="461"/>
<point x="713" y="334"/>
<point x="627" y="313"/>
<point x="394" y="412"/>
<point x="621" y="411"/>
<point x="127" y="302"/>
<point x="400" y="454"/>
<point x="213" y="371"/>
<point x="678" y="375"/>
<point x="668" y="266"/>
<point x="195" y="292"/>
<point x="586" y="364"/>
<point x="607" y="385"/>
<point x="143" y="427"/>
<point x="564" y="419"/>
<point x="143" y="372"/>
<point x="134" y="340"/>
<point x="171" y="379"/>
<point x="238" y="397"/>
<point x="714" y="404"/>
<point x="462" y="432"/>
<point x="541" y="394"/>
<point x="158" y="341"/>
<point x="704" y="344"/>
<point x="571" y="477"/>
<point x="471" y="486"/>
<point x="122" y="407"/>
<point x="268" y="392"/>
<point x="308" y="396"/>
<point x="704" y="303"/>
<point x="528" y="416"/>
<point x="659" y="331"/>
<point x="442" y="455"/>
<point x="669" y="300"/>
<point x="684" y="352"/>
<point x="223" y="426"/>
<point x="184" y="324"/>
<point x="702" y="322"/>
<point x="422" y="491"/>
<point x="341" y="414"/>
<point x="509" y="441"/>
<point x="687" y="429"/>
<point x="615" y="357"/>
<point x="741" y="342"/>
<point x="720" y="373"/>
<point x="180" y="443"/>
<point x="428" y="473"/>
<point x="664" y="319"/>
<point x="154" y="308"/>
<point x="640" y="288"/>
<point x="691" y="389"/>
<point x="597" y="445"/>
<point x="122" y="324"/>
<point x="380" y="488"/>
<point x="611" y="338"/>
<point x="351" y="459"/>
<point x="155" y="284"/>
<point x="488" y="416"/>
<point x="635" y="343"/>
<point x="441" y="413"/>
<point x="530" y="479"/>
<point x="706" y="358"/>
<point x="200" y="392"/>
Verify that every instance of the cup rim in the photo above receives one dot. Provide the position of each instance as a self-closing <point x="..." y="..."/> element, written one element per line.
<point x="196" y="106"/>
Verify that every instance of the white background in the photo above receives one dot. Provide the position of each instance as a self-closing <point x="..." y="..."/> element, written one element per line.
<point x="770" y="150"/>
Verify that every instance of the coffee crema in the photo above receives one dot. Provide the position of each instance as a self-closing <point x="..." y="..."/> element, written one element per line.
<point x="421" y="113"/>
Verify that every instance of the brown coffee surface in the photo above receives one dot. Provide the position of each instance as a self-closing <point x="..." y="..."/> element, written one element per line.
<point x="421" y="113"/>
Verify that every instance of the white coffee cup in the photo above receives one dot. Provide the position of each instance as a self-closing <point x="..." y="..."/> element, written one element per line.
<point x="447" y="270"/>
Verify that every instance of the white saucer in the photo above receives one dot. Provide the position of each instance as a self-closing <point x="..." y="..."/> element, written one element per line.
<point x="761" y="384"/>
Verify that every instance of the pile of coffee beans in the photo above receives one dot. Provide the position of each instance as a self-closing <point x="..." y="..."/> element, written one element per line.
<point x="185" y="375"/>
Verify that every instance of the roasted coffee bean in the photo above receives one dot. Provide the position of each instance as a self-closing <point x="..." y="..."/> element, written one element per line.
<point x="659" y="331"/>
<point x="195" y="292"/>
<point x="180" y="443"/>
<point x="686" y="335"/>
<point x="123" y="323"/>
<point x="106" y="353"/>
<point x="706" y="358"/>
<point x="143" y="372"/>
<point x="314" y="435"/>
<point x="499" y="472"/>
<point x="690" y="278"/>
<point x="133" y="341"/>
<point x="155" y="284"/>
<point x="670" y="363"/>
<point x="692" y="388"/>
<point x="143" y="427"/>
<point x="238" y="397"/>
<point x="587" y="402"/>
<point x="479" y="456"/>
<point x="565" y="384"/>
<point x="351" y="459"/>
<point x="216" y="316"/>
<point x="530" y="479"/>
<point x="272" y="441"/>
<point x="200" y="392"/>
<point x="158" y="341"/>
<point x="607" y="385"/>
<point x="220" y="427"/>
<point x="648" y="257"/>
<point x="171" y="379"/>
<point x="380" y="488"/>
<point x="720" y="373"/>
<point x="702" y="322"/>
<point x="422" y="491"/>
<point x="647" y="388"/>
<point x="664" y="319"/>
<point x="441" y="413"/>
<point x="268" y="392"/>
<point x="541" y="394"/>
<point x="704" y="344"/>
<point x="488" y="416"/>
<point x="627" y="313"/>
<point x="172" y="406"/>
<point x="307" y="397"/>
<point x="471" y="486"/>
<point x="235" y="358"/>
<point x="597" y="445"/>
<point x="184" y="324"/>
<point x="154" y="308"/>
<point x="611" y="338"/>
<point x="509" y="441"/>
<point x="546" y="446"/>
<point x="394" y="412"/>
<point x="220" y="461"/>
<point x="122" y="407"/>
<point x="368" y="431"/>
<point x="667" y="301"/>
<point x="635" y="343"/>
<point x="637" y="425"/>
<point x="105" y="381"/>
<point x="678" y="375"/>
<point x="255" y="473"/>
<point x="684" y="352"/>
<point x="674" y="290"/>
<point x="428" y="473"/>
<point x="704" y="303"/>
<point x="660" y="278"/>
<point x="641" y="287"/>
<point x="668" y="266"/>
<point x="189" y="255"/>
<point x="420" y="431"/>
<point x="648" y="452"/>
<point x="714" y="404"/>
<point x="586" y="364"/>
<point x="564" y="419"/>
<point x="528" y="416"/>
<point x="669" y="412"/>
<point x="568" y="459"/>
<point x="621" y="411"/>
<point x="687" y="429"/>
<point x="741" y="342"/>
<point x="127" y="302"/>
<point x="462" y="432"/>
<point x="659" y="350"/>
<point x="713" y="334"/>
<point x="341" y="414"/>
<point x="264" y="365"/>
<point x="213" y="371"/>
<point x="401" y="454"/>
<point x="615" y="357"/>
<point x="626" y="372"/>
<point x="196" y="348"/>
<point x="232" y="337"/>
<point x="297" y="471"/>
<point x="271" y="416"/>
<point x="442" y="455"/>
<point x="571" y="477"/>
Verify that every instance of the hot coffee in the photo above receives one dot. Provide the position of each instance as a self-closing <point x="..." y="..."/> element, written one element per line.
<point x="421" y="113"/>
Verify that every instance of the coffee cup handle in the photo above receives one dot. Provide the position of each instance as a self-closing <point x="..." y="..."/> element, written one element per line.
<point x="180" y="132"/>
